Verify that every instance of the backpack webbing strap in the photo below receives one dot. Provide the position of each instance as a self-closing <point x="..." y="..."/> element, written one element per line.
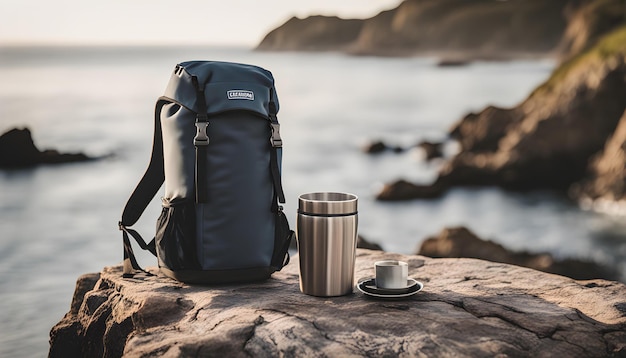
<point x="142" y="195"/>
<point x="279" y="196"/>
<point x="130" y="262"/>
<point x="201" y="142"/>
<point x="277" y="144"/>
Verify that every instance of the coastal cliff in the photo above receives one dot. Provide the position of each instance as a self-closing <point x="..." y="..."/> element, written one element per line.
<point x="479" y="29"/>
<point x="467" y="307"/>
<point x="483" y="28"/>
<point x="549" y="140"/>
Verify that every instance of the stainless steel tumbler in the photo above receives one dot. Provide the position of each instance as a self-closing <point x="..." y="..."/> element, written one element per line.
<point x="327" y="234"/>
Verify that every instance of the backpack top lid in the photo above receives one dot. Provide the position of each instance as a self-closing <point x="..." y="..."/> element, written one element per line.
<point x="227" y="86"/>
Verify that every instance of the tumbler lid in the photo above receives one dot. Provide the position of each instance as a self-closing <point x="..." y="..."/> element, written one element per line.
<point x="327" y="203"/>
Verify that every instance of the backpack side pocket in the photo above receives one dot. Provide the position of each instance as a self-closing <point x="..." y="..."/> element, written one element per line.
<point x="176" y="236"/>
<point x="282" y="239"/>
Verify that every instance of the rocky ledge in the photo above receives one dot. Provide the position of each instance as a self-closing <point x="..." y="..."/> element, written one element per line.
<point x="468" y="307"/>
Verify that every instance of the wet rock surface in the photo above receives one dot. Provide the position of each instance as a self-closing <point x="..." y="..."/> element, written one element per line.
<point x="468" y="307"/>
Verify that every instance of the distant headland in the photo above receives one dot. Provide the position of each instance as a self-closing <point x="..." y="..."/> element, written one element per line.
<point x="456" y="29"/>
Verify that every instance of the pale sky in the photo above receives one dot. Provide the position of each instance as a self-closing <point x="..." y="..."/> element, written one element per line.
<point x="154" y="22"/>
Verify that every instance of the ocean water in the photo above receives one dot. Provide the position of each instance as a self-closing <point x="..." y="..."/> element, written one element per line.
<point x="58" y="222"/>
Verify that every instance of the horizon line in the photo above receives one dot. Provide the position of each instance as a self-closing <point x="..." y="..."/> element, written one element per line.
<point x="122" y="44"/>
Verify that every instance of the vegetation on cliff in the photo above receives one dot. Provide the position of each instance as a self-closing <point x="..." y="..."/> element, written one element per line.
<point x="609" y="48"/>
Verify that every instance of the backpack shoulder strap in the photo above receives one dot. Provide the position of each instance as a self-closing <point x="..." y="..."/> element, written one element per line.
<point x="147" y="188"/>
<point x="152" y="179"/>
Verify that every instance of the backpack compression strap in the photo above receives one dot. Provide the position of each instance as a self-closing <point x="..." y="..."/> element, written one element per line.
<point x="277" y="144"/>
<point x="282" y="234"/>
<point x="142" y="195"/>
<point x="201" y="142"/>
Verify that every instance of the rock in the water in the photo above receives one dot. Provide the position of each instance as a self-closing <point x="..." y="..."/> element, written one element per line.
<point x="379" y="146"/>
<point x="404" y="190"/>
<point x="467" y="307"/>
<point x="461" y="242"/>
<point x="375" y="147"/>
<point x="17" y="150"/>
<point x="432" y="150"/>
<point x="363" y="243"/>
<point x="452" y="63"/>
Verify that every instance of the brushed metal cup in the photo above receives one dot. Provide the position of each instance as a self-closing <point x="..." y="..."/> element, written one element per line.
<point x="326" y="234"/>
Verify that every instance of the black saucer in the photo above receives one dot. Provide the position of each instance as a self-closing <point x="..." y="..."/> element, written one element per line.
<point x="368" y="287"/>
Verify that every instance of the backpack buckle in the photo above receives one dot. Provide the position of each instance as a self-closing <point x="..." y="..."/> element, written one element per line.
<point x="275" y="139"/>
<point x="201" y="137"/>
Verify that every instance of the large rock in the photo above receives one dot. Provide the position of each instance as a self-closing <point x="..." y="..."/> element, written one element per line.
<point x="17" y="150"/>
<point x="468" y="307"/>
<point x="461" y="242"/>
<point x="547" y="141"/>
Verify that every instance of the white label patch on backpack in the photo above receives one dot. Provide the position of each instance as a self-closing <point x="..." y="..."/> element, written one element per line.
<point x="240" y="94"/>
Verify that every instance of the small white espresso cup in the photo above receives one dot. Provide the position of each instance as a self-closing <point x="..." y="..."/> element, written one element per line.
<point x="391" y="274"/>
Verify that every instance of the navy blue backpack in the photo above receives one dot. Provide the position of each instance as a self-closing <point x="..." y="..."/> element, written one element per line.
<point x="217" y="148"/>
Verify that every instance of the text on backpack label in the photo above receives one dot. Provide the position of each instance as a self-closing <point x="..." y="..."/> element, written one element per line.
<point x="240" y="94"/>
